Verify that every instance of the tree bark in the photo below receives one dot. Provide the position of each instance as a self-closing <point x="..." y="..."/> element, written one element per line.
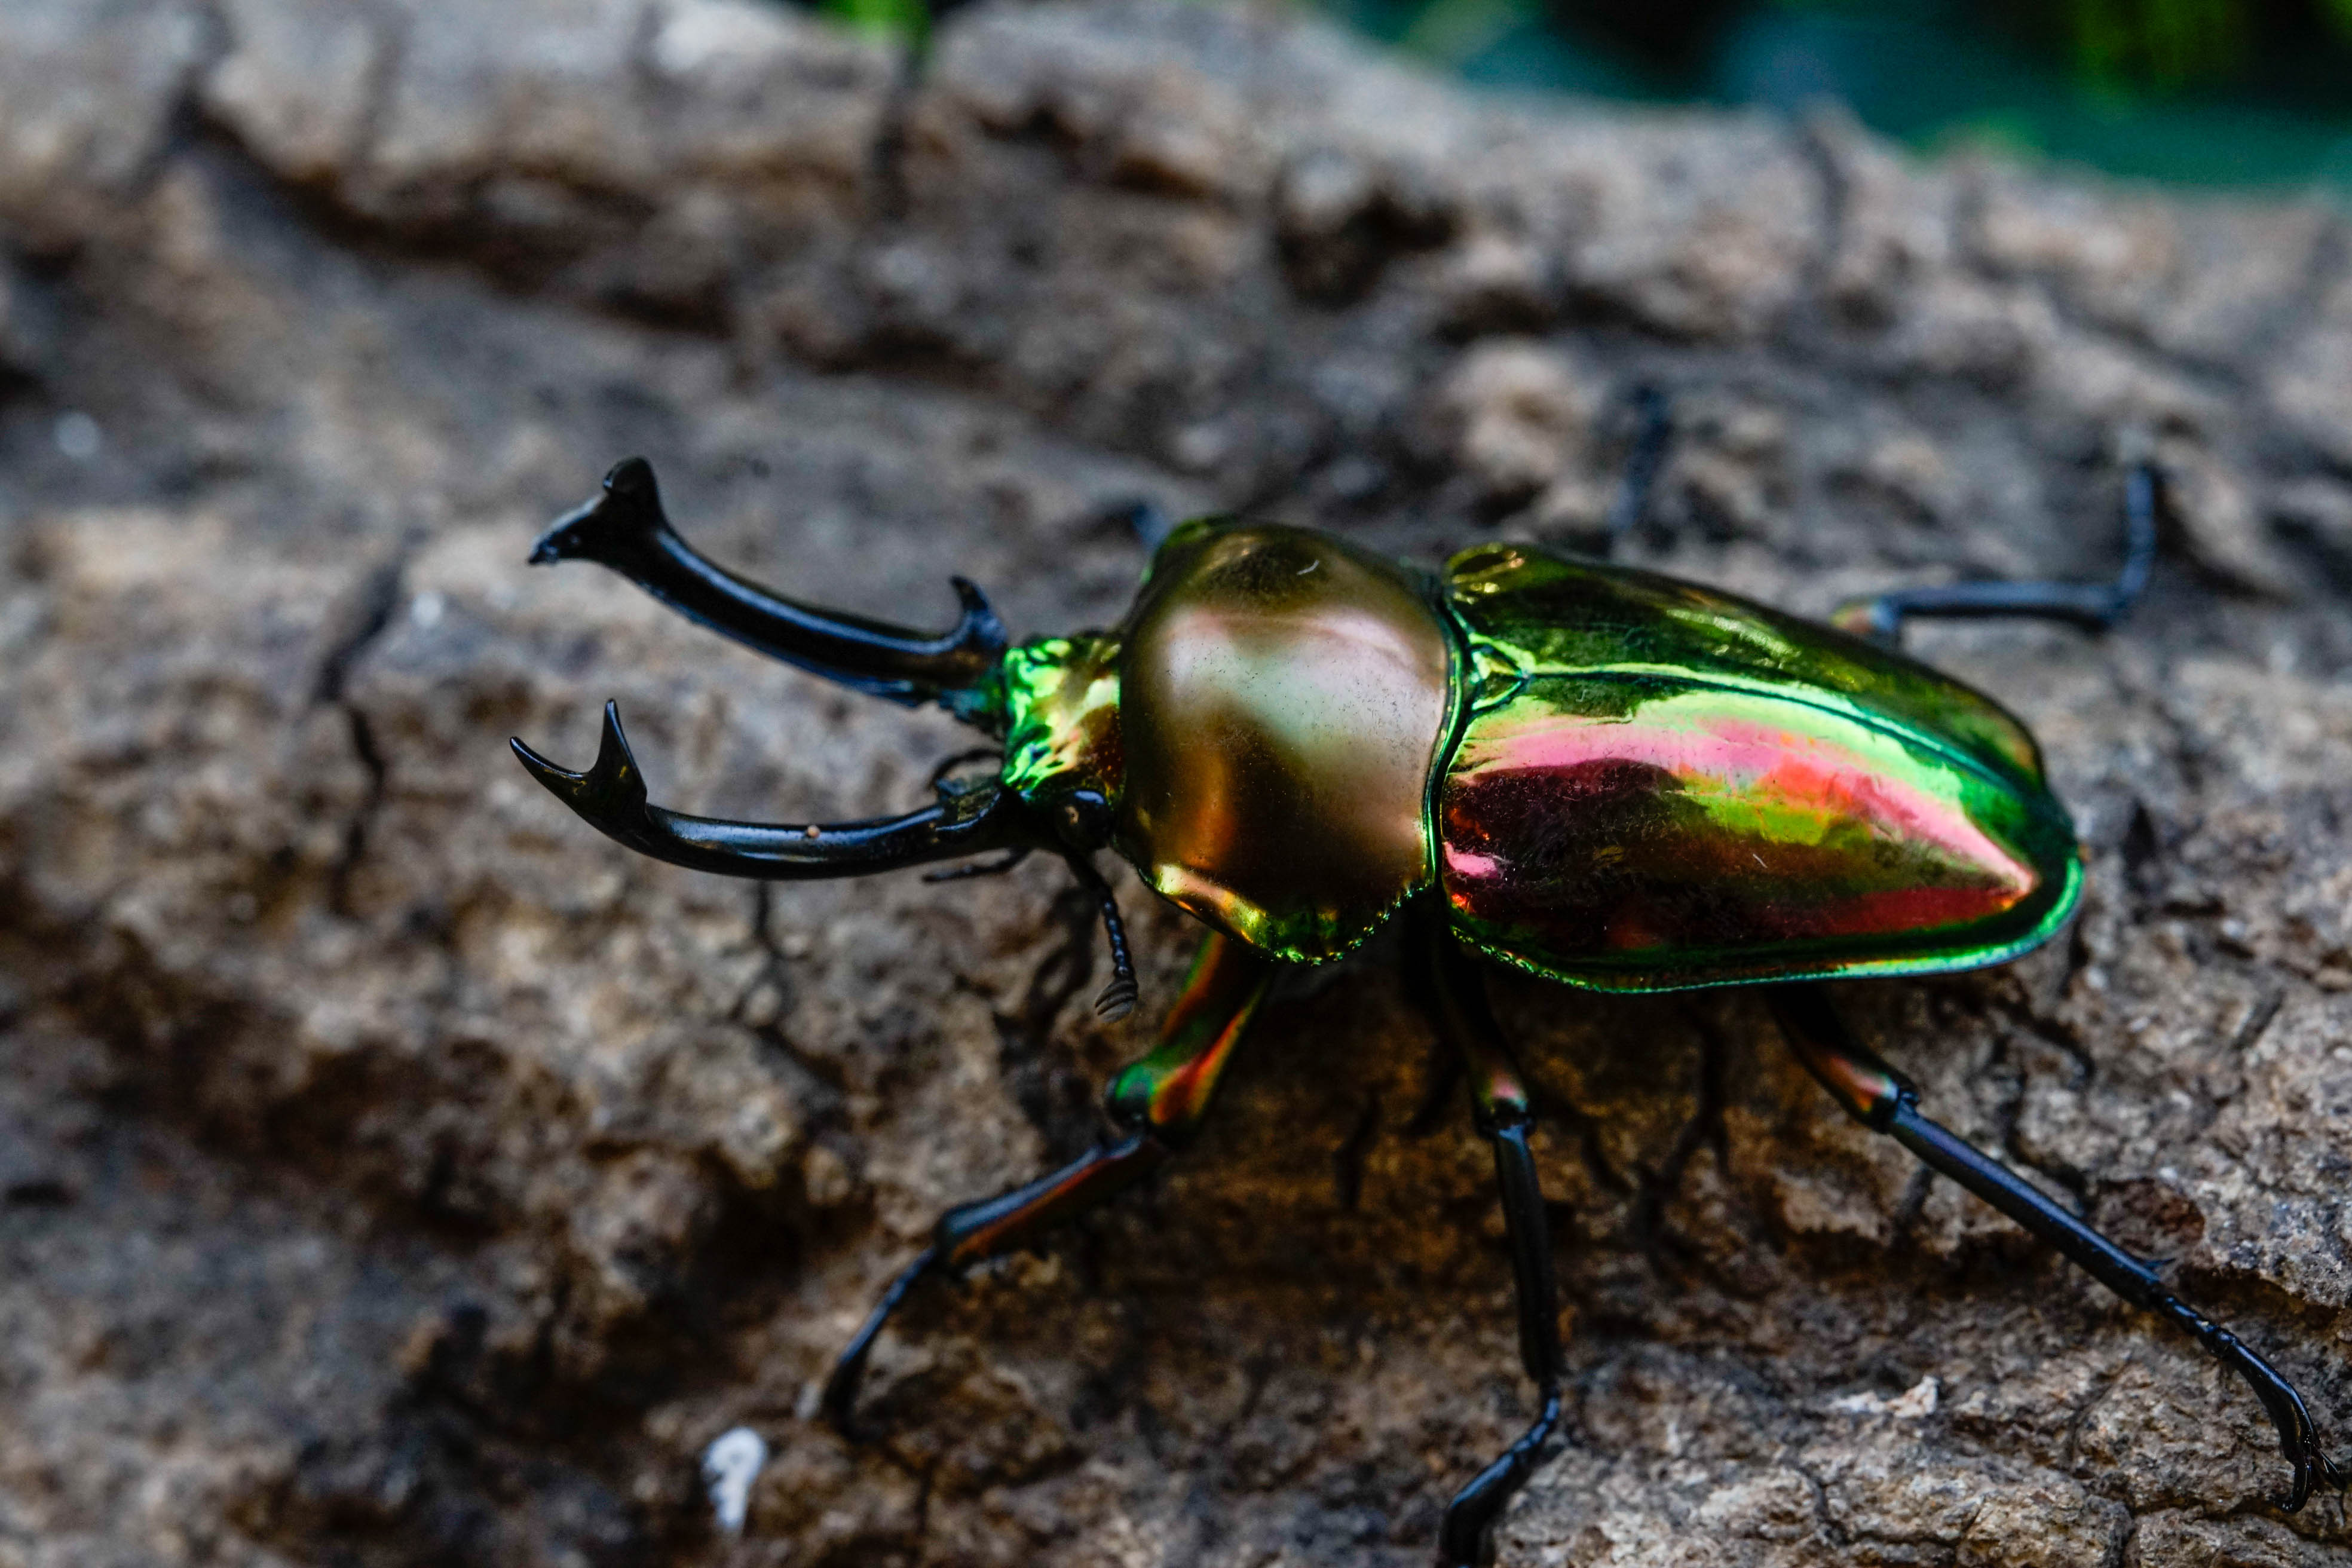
<point x="391" y="1170"/>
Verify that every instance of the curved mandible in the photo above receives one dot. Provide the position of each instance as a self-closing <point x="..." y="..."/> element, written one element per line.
<point x="625" y="528"/>
<point x="611" y="798"/>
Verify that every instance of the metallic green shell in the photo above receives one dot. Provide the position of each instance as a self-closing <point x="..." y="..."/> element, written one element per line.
<point x="1618" y="780"/>
<point x="1657" y="787"/>
<point x="1061" y="704"/>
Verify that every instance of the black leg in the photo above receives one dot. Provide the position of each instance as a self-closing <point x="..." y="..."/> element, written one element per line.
<point x="1654" y="433"/>
<point x="1884" y="1101"/>
<point x="2095" y="606"/>
<point x="1156" y="1105"/>
<point x="1454" y="993"/>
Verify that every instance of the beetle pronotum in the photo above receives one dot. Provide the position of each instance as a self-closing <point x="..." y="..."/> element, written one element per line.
<point x="1610" y="778"/>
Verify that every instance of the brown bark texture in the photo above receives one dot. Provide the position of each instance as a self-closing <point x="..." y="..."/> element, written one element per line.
<point x="393" y="1171"/>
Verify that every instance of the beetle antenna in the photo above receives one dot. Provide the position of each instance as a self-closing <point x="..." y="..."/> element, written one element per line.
<point x="1118" y="999"/>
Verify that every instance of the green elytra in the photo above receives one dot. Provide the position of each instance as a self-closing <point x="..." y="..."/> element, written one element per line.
<point x="1609" y="778"/>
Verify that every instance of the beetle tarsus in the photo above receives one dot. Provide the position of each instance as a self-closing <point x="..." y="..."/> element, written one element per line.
<point x="2299" y="1443"/>
<point x="1466" y="1539"/>
<point x="840" y="1400"/>
<point x="2313" y="1468"/>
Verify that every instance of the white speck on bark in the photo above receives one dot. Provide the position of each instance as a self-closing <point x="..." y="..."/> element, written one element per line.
<point x="1913" y="1405"/>
<point x="78" y="435"/>
<point x="729" y="1466"/>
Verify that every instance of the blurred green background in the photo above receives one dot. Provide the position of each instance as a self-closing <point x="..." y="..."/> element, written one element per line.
<point x="2205" y="91"/>
<point x="2227" y="92"/>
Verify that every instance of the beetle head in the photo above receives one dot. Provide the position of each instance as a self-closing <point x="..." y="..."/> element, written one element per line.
<point x="1056" y="704"/>
<point x="1062" y="750"/>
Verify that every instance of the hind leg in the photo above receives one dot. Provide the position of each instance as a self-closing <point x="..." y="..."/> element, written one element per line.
<point x="2095" y="606"/>
<point x="1884" y="1101"/>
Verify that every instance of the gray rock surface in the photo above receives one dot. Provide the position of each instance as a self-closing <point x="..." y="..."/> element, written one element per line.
<point x="392" y="1171"/>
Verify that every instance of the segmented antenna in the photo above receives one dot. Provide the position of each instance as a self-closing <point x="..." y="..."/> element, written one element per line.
<point x="1118" y="999"/>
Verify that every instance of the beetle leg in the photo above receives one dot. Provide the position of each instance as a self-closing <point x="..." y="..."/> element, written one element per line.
<point x="2094" y="606"/>
<point x="1454" y="994"/>
<point x="1885" y="1101"/>
<point x="1654" y="432"/>
<point x="1156" y="1105"/>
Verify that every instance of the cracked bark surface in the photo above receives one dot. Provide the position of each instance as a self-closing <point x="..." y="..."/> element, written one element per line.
<point x="393" y="1171"/>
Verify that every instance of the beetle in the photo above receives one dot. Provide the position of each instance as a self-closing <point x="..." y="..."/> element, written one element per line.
<point x="1610" y="778"/>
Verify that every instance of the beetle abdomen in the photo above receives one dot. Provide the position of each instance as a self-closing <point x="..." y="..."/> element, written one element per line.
<point x="1658" y="786"/>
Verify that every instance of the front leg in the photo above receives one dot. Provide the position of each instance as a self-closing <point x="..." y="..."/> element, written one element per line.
<point x="1157" y="1106"/>
<point x="1455" y="994"/>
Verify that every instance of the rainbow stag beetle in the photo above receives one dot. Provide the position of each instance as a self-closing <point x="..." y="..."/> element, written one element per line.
<point x="1605" y="776"/>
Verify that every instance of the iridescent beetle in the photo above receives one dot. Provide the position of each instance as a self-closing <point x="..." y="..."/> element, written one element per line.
<point x="1608" y="778"/>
